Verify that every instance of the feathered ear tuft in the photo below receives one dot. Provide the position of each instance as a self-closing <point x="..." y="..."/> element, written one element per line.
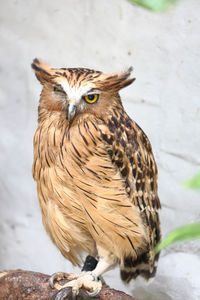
<point x="115" y="82"/>
<point x="124" y="78"/>
<point x="42" y="70"/>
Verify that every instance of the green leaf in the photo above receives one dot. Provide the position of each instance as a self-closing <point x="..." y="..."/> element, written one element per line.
<point x="156" y="5"/>
<point x="193" y="183"/>
<point x="191" y="231"/>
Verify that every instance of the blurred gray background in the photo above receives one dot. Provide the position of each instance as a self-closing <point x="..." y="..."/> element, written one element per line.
<point x="105" y="35"/>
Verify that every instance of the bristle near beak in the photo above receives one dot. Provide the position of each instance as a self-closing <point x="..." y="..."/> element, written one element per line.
<point x="71" y="111"/>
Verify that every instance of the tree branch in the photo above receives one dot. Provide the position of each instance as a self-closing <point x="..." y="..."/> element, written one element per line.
<point x="27" y="285"/>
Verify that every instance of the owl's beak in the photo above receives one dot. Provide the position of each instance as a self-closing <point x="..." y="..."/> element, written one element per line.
<point x="71" y="111"/>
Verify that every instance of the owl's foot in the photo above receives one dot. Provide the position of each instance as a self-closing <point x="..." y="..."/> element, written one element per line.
<point x="60" y="276"/>
<point x="89" y="265"/>
<point x="66" y="294"/>
<point x="84" y="280"/>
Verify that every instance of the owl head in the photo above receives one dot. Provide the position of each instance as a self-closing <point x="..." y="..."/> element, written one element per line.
<point x="75" y="91"/>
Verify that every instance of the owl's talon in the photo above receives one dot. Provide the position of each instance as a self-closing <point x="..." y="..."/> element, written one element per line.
<point x="55" y="277"/>
<point x="104" y="284"/>
<point x="95" y="293"/>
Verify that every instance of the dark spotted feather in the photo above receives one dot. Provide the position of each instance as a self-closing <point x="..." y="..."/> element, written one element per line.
<point x="130" y="151"/>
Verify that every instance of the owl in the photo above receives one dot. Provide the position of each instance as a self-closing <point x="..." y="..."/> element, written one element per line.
<point x="96" y="176"/>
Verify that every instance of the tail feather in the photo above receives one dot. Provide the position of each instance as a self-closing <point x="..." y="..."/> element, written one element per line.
<point x="144" y="266"/>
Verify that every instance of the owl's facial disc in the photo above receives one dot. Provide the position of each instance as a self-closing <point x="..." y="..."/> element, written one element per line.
<point x="78" y="96"/>
<point x="72" y="108"/>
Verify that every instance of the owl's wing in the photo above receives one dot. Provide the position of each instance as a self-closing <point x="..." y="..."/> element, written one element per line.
<point x="131" y="153"/>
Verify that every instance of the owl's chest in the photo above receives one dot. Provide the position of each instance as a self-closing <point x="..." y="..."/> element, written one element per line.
<point x="68" y="155"/>
<point x="72" y="164"/>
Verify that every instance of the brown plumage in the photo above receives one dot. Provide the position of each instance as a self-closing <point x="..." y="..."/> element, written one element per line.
<point x="95" y="172"/>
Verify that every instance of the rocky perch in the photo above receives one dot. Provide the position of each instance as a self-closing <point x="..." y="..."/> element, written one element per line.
<point x="28" y="285"/>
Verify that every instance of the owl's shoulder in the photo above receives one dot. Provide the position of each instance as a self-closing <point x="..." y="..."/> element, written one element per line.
<point x="130" y="151"/>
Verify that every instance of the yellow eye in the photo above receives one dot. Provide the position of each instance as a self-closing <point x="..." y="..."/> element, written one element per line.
<point x="92" y="98"/>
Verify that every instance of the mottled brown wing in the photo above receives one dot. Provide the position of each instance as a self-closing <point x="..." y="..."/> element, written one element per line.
<point x="130" y="151"/>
